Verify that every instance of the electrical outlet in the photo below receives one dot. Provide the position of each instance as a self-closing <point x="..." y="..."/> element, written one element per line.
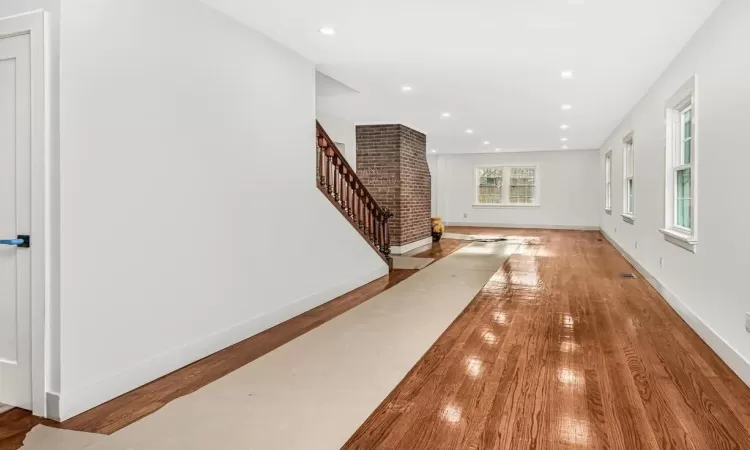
<point x="465" y="215"/>
<point x="661" y="262"/>
<point x="747" y="322"/>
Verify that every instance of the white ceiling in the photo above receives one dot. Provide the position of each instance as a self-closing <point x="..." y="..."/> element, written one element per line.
<point x="493" y="64"/>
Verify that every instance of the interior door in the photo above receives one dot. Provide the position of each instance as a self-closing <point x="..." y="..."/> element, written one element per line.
<point x="15" y="220"/>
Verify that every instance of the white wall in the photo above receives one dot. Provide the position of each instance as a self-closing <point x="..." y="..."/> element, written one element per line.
<point x="190" y="213"/>
<point x="343" y="131"/>
<point x="432" y="164"/>
<point x="52" y="8"/>
<point x="709" y="287"/>
<point x="568" y="189"/>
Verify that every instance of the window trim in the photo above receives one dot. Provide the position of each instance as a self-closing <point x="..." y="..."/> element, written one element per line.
<point x="506" y="186"/>
<point x="608" y="182"/>
<point x="628" y="142"/>
<point x="683" y="99"/>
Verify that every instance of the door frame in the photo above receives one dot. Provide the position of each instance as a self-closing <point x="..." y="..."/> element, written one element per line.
<point x="35" y="25"/>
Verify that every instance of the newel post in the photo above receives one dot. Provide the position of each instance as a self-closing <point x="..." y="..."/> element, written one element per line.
<point x="387" y="234"/>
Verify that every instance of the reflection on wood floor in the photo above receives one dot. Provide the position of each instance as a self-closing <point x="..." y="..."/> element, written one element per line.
<point x="556" y="352"/>
<point x="559" y="352"/>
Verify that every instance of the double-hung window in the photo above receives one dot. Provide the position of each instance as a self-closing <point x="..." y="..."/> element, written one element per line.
<point x="680" y="190"/>
<point x="608" y="182"/>
<point x="628" y="188"/>
<point x="507" y="186"/>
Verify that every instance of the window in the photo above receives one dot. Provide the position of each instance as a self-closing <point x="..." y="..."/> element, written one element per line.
<point x="490" y="188"/>
<point x="628" y="201"/>
<point x="680" y="227"/>
<point x="507" y="186"/>
<point x="522" y="185"/>
<point x="608" y="182"/>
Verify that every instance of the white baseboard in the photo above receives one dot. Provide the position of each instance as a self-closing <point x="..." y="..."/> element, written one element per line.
<point x="70" y="404"/>
<point x="401" y="249"/>
<point x="533" y="227"/>
<point x="53" y="406"/>
<point x="726" y="352"/>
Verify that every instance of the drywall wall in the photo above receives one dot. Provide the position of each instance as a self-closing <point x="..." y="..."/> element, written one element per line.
<point x="567" y="188"/>
<point x="190" y="213"/>
<point x="708" y="288"/>
<point x="341" y="131"/>
<point x="52" y="335"/>
<point x="432" y="161"/>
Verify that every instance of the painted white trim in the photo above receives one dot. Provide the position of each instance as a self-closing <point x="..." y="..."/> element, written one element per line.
<point x="116" y="384"/>
<point x="35" y="25"/>
<point x="501" y="205"/>
<point x="534" y="227"/>
<point x="726" y="352"/>
<point x="53" y="406"/>
<point x="685" y="241"/>
<point x="401" y="249"/>
<point x="628" y="218"/>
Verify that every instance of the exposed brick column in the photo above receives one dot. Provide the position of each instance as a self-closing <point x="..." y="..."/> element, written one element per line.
<point x="392" y="164"/>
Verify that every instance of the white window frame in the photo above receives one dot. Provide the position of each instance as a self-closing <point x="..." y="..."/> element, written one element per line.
<point x="506" y="186"/>
<point x="684" y="99"/>
<point x="628" y="162"/>
<point x="608" y="182"/>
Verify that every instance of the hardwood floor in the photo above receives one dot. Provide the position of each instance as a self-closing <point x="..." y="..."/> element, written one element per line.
<point x="559" y="352"/>
<point x="556" y="352"/>
<point x="139" y="403"/>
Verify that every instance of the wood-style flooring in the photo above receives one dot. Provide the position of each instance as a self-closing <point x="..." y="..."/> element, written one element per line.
<point x="559" y="352"/>
<point x="556" y="352"/>
<point x="139" y="403"/>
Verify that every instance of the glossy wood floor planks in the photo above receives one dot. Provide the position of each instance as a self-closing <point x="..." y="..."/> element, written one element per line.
<point x="559" y="352"/>
<point x="556" y="352"/>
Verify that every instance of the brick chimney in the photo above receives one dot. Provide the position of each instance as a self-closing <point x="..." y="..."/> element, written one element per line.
<point x="392" y="164"/>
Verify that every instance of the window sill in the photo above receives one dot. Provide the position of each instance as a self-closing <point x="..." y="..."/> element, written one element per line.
<point x="608" y="211"/>
<point x="683" y="240"/>
<point x="479" y="205"/>
<point x="628" y="218"/>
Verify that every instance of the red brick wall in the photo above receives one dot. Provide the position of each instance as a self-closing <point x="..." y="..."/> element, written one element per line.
<point x="392" y="164"/>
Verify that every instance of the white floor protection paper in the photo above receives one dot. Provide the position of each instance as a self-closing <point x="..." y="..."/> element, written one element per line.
<point x="314" y="392"/>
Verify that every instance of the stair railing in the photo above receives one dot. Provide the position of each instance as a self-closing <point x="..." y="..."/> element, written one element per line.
<point x="341" y="185"/>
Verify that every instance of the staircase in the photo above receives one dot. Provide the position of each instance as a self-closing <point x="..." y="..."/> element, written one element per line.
<point x="340" y="184"/>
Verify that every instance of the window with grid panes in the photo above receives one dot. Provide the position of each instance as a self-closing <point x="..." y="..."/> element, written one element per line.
<point x="522" y="185"/>
<point x="608" y="181"/>
<point x="490" y="186"/>
<point x="506" y="186"/>
<point x="628" y="176"/>
<point x="681" y="175"/>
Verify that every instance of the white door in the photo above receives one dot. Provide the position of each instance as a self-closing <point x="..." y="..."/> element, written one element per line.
<point x="15" y="220"/>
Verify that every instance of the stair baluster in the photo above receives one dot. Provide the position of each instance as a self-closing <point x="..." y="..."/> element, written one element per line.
<point x="340" y="184"/>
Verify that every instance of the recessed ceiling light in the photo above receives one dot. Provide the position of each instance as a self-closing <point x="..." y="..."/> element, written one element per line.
<point x="445" y="115"/>
<point x="486" y="142"/>
<point x="564" y="147"/>
<point x="327" y="31"/>
<point x="469" y="131"/>
<point x="566" y="107"/>
<point x="564" y="139"/>
<point x="434" y="151"/>
<point x="406" y="88"/>
<point x="566" y="74"/>
<point x="564" y="127"/>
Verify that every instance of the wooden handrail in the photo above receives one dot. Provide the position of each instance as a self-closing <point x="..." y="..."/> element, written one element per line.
<point x="340" y="184"/>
